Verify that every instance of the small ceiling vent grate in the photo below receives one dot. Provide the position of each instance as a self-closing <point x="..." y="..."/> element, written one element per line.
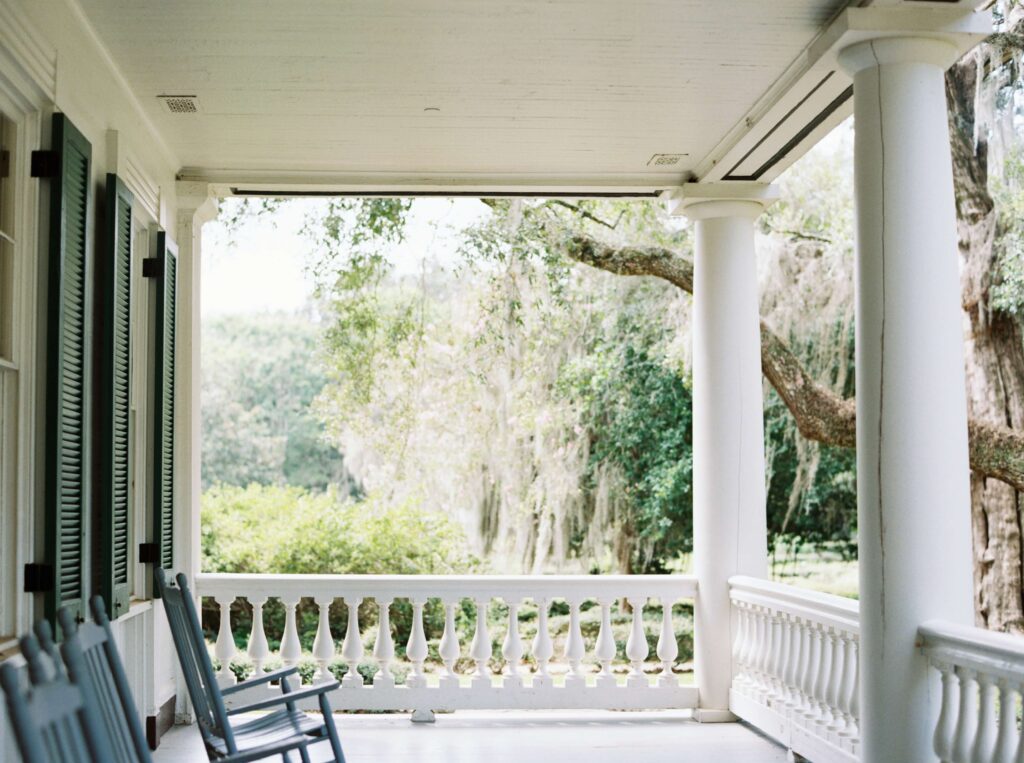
<point x="665" y="160"/>
<point x="180" y="104"/>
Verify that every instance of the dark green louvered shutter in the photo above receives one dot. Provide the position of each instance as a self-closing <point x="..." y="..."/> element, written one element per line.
<point x="112" y="448"/>
<point x="68" y="368"/>
<point x="163" y="444"/>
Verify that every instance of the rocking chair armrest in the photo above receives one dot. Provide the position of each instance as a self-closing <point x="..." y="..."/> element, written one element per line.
<point x="281" y="699"/>
<point x="274" y="675"/>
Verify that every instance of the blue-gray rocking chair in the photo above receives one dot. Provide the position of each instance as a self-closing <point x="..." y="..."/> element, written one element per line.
<point x="53" y="720"/>
<point x="224" y="734"/>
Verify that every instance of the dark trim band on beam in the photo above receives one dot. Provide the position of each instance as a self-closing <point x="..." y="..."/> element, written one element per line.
<point x="793" y="142"/>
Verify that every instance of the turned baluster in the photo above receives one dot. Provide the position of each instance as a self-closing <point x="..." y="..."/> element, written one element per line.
<point x="792" y="677"/>
<point x="604" y="649"/>
<point x="574" y="647"/>
<point x="668" y="647"/>
<point x="743" y="638"/>
<point x="739" y="669"/>
<point x="833" y="692"/>
<point x="985" y="737"/>
<point x="543" y="648"/>
<point x="481" y="648"/>
<point x="854" y="725"/>
<point x="784" y="658"/>
<point x="512" y="646"/>
<point x="352" y="646"/>
<point x="291" y="648"/>
<point x="449" y="646"/>
<point x="258" y="649"/>
<point x="809" y="672"/>
<point x="775" y="656"/>
<point x="843" y="692"/>
<point x="323" y="644"/>
<point x="224" y="649"/>
<point x="416" y="649"/>
<point x="384" y="646"/>
<point x="1019" y="758"/>
<point x="764" y="654"/>
<point x="754" y="657"/>
<point x="945" y="727"/>
<point x="636" y="644"/>
<point x="1006" y="740"/>
<point x="967" y="718"/>
<point x="820" y="672"/>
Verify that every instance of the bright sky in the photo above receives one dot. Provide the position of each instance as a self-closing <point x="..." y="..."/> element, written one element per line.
<point x="265" y="268"/>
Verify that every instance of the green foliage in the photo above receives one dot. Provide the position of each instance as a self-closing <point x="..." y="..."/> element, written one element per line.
<point x="637" y="411"/>
<point x="260" y="373"/>
<point x="276" y="529"/>
<point x="1007" y="292"/>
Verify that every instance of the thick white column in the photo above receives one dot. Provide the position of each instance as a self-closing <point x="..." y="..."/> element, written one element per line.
<point x="729" y="520"/>
<point x="912" y="463"/>
<point x="195" y="208"/>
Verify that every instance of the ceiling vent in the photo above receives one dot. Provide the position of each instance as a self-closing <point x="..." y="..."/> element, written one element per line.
<point x="665" y="160"/>
<point x="180" y="104"/>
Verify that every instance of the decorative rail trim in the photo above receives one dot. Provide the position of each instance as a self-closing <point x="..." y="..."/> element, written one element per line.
<point x="516" y="688"/>
<point x="795" y="665"/>
<point x="982" y="686"/>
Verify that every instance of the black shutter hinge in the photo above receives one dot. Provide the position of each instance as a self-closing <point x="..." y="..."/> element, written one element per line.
<point x="45" y="164"/>
<point x="38" y="578"/>
<point x="153" y="267"/>
<point x="149" y="553"/>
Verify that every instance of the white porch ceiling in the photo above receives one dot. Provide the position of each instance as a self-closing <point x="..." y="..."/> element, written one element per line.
<point x="298" y="93"/>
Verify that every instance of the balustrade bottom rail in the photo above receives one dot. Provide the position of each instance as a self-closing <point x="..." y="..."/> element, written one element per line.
<point x="515" y="688"/>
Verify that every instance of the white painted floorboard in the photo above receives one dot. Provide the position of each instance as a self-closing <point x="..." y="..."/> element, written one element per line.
<point x="513" y="736"/>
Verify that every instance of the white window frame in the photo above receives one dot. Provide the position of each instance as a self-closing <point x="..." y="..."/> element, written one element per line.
<point x="19" y="476"/>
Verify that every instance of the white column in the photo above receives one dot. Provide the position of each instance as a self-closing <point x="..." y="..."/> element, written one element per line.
<point x="729" y="516"/>
<point x="912" y="465"/>
<point x="195" y="208"/>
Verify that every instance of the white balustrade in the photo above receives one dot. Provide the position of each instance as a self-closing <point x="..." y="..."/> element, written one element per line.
<point x="795" y="667"/>
<point x="584" y="680"/>
<point x="981" y="681"/>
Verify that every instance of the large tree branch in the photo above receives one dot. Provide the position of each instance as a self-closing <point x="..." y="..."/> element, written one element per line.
<point x="821" y="415"/>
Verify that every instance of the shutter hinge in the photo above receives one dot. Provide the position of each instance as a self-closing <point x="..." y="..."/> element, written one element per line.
<point x="38" y="578"/>
<point x="44" y="164"/>
<point x="152" y="267"/>
<point x="149" y="553"/>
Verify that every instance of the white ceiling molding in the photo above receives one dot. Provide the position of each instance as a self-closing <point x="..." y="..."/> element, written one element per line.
<point x="121" y="162"/>
<point x="29" y="63"/>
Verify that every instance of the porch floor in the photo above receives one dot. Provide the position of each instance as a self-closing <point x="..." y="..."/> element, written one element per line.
<point x="514" y="736"/>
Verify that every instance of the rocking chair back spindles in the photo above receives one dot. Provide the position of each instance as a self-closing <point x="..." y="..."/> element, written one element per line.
<point x="93" y="663"/>
<point x="51" y="718"/>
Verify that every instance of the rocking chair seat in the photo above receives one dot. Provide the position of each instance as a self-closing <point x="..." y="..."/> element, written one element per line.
<point x="269" y="729"/>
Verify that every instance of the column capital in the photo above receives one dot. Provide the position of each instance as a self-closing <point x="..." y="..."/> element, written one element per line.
<point x="863" y="37"/>
<point x="197" y="204"/>
<point x="700" y="201"/>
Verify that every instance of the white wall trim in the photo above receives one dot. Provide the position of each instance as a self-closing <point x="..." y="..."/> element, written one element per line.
<point x="123" y="163"/>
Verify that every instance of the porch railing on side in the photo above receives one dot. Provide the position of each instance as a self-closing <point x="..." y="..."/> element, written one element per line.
<point x="981" y="675"/>
<point x="478" y="687"/>
<point x="795" y="658"/>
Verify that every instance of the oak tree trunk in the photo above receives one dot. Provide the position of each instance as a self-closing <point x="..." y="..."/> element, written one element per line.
<point x="994" y="359"/>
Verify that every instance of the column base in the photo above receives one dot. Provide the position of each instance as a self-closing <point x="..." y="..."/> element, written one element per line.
<point x="422" y="716"/>
<point x="710" y="715"/>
